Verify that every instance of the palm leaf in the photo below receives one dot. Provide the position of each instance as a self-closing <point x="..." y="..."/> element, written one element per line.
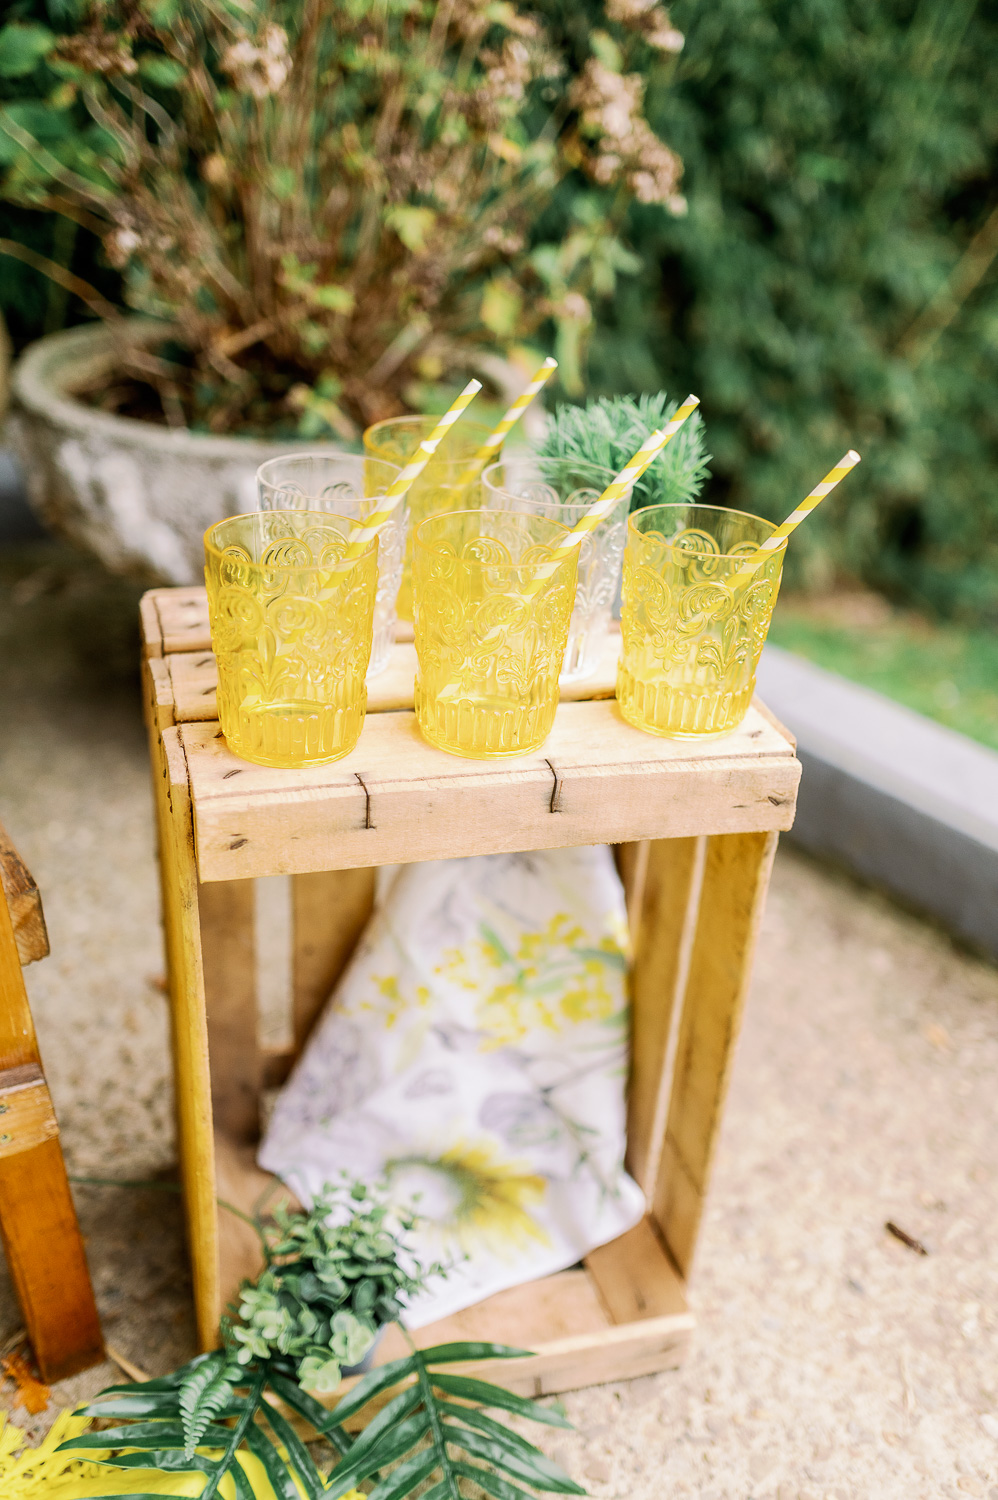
<point x="370" y="1385"/>
<point x="280" y="1476"/>
<point x="306" y="1406"/>
<point x="301" y="1459"/>
<point x="420" y="1416"/>
<point x="492" y="1484"/>
<point x="493" y="1395"/>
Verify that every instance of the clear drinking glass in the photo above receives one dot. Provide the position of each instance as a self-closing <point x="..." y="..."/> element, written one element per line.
<point x="348" y="485"/>
<point x="563" y="489"/>
<point x="291" y="633"/>
<point x="693" y="627"/>
<point x="438" y="488"/>
<point x="490" y="630"/>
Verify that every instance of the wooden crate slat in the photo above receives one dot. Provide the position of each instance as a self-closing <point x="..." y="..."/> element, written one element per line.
<point x="735" y="878"/>
<point x="329" y="911"/>
<point x="395" y="798"/>
<point x="227" y="942"/>
<point x="635" y="1278"/>
<point x="662" y="931"/>
<point x="183" y="619"/>
<point x="194" y="679"/>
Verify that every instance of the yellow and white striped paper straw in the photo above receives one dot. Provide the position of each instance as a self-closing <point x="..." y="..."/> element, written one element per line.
<point x="776" y="539"/>
<point x="494" y="441"/>
<point x="649" y="450"/>
<point x="394" y="496"/>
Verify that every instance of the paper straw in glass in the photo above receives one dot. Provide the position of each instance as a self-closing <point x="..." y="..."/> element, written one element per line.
<point x="490" y="448"/>
<point x="398" y="491"/>
<point x="804" y="509"/>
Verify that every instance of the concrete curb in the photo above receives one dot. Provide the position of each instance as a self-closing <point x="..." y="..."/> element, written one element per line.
<point x="904" y="802"/>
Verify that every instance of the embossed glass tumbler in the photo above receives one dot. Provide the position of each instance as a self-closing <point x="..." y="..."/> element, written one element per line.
<point x="563" y="489"/>
<point x="693" y="629"/>
<point x="490" y="634"/>
<point x="438" y="488"/>
<point x="291" y="634"/>
<point x="347" y="485"/>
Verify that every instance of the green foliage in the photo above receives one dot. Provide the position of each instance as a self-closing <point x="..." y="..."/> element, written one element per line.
<point x="448" y="1442"/>
<point x="207" y="1392"/>
<point x="200" y="1417"/>
<point x="343" y="191"/>
<point x="609" y="431"/>
<point x="833" y="282"/>
<point x="327" y="1288"/>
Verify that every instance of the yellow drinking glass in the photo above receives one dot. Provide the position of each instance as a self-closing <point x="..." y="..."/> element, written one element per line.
<point x="291" y="634"/>
<point x="347" y="485"/>
<point x="692" y="629"/>
<point x="437" y="488"/>
<point x="489" y="648"/>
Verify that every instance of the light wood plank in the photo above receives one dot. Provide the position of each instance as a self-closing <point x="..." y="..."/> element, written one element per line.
<point x="183" y="618"/>
<point x="23" y="902"/>
<point x="615" y="785"/>
<point x="189" y="1030"/>
<point x="229" y="960"/>
<point x="635" y="1278"/>
<point x="152" y="633"/>
<point x="621" y="1352"/>
<point x="194" y="679"/>
<point x="330" y="910"/>
<point x="661" y="935"/>
<point x="736" y="875"/>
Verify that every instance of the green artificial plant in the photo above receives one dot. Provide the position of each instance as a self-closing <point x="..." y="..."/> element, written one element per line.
<point x="609" y="430"/>
<point x="316" y="1307"/>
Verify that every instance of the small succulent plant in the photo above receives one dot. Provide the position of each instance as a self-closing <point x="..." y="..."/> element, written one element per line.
<point x="610" y="430"/>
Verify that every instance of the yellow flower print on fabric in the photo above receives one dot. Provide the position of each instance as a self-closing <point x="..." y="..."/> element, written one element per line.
<point x="554" y="979"/>
<point x="471" y="1197"/>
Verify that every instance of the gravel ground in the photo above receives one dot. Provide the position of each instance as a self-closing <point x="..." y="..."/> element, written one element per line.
<point x="830" y="1362"/>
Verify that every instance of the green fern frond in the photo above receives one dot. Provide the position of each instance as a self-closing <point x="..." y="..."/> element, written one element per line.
<point x="609" y="430"/>
<point x="206" y="1391"/>
<point x="427" y="1436"/>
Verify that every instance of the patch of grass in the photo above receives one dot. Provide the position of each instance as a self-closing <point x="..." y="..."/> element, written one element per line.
<point x="947" y="672"/>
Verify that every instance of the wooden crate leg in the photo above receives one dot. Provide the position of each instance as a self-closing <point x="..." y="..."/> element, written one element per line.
<point x="226" y="909"/>
<point x="41" y="1236"/>
<point x="735" y="878"/>
<point x="330" y="910"/>
<point x="192" y="1088"/>
<point x="662" y="919"/>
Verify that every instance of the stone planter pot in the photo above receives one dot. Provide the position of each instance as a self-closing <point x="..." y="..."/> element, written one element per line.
<point x="138" y="495"/>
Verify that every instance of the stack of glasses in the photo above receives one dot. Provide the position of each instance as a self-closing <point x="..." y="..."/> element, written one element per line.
<point x="510" y="570"/>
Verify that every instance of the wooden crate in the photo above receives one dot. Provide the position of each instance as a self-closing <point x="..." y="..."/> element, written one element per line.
<point x="695" y="829"/>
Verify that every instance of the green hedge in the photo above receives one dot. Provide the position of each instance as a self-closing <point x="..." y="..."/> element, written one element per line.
<point x="840" y="159"/>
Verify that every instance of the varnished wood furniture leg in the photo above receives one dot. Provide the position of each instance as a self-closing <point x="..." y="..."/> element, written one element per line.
<point x="735" y="877"/>
<point x="41" y="1236"/>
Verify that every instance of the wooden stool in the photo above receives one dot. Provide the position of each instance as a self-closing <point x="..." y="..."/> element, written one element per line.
<point x="695" y="827"/>
<point x="41" y="1236"/>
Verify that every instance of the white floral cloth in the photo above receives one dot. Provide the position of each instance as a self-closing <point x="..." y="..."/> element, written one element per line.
<point x="474" y="1057"/>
